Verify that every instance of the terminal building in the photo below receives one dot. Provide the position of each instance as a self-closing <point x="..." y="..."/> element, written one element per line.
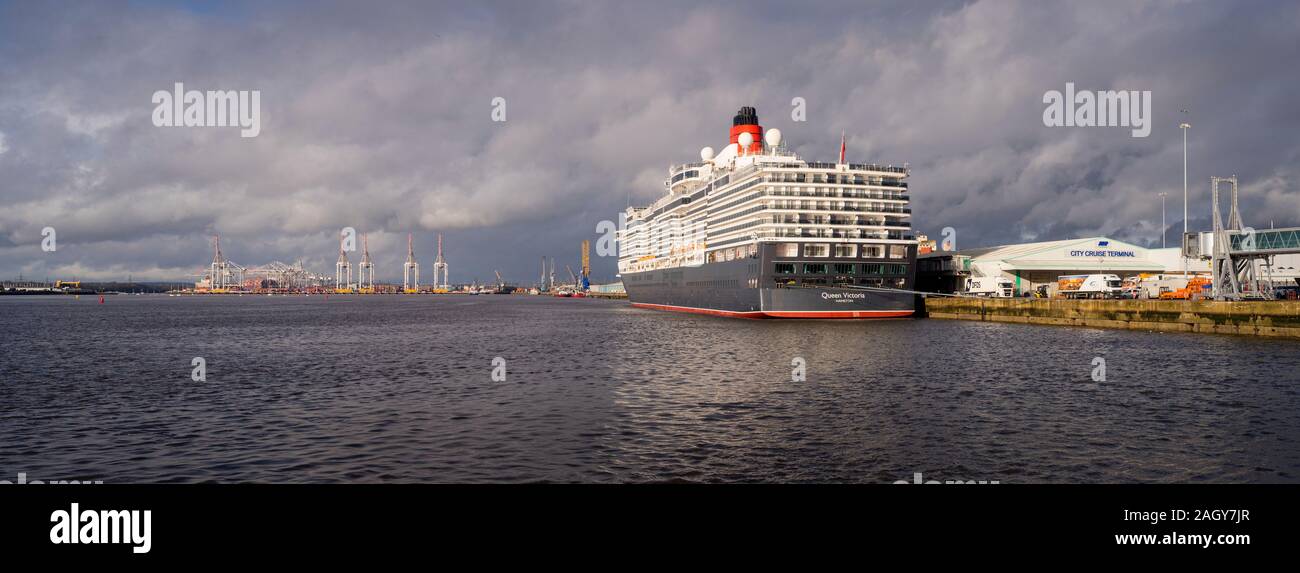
<point x="1031" y="265"/>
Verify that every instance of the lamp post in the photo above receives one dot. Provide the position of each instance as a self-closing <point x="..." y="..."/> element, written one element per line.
<point x="1163" y="227"/>
<point x="1184" y="126"/>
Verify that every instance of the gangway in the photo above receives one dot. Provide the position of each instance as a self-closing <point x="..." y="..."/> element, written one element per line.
<point x="1239" y="251"/>
<point x="1267" y="241"/>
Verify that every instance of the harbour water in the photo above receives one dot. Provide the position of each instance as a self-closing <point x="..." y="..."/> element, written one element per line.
<point x="400" y="389"/>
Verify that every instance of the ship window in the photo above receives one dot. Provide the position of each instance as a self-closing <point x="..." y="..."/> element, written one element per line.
<point x="844" y="269"/>
<point x="873" y="251"/>
<point x="788" y="250"/>
<point x="785" y="268"/>
<point x="872" y="269"/>
<point x="898" y="251"/>
<point x="816" y="250"/>
<point x="846" y="251"/>
<point x="814" y="269"/>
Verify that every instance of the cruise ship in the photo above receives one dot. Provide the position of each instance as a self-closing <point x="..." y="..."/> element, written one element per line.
<point x="753" y="231"/>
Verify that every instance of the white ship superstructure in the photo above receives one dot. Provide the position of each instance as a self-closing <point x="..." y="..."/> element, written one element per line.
<point x="749" y="193"/>
<point x="754" y="229"/>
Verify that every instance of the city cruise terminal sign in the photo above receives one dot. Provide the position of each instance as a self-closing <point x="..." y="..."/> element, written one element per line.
<point x="1102" y="250"/>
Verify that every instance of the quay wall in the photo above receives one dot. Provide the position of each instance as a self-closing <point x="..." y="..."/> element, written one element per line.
<point x="1255" y="318"/>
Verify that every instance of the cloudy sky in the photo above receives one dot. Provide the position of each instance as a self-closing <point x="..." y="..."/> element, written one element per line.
<point x="377" y="116"/>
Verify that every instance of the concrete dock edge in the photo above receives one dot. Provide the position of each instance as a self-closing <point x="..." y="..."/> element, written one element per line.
<point x="1256" y="318"/>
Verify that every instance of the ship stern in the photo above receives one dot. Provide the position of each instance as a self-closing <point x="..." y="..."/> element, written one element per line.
<point x="836" y="303"/>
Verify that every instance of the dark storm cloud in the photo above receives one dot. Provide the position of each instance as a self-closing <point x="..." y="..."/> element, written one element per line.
<point x="377" y="117"/>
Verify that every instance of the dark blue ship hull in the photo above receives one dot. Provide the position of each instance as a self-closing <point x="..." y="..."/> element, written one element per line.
<point x="750" y="288"/>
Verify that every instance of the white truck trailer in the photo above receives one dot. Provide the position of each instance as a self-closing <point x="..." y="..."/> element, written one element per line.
<point x="996" y="287"/>
<point x="1089" y="286"/>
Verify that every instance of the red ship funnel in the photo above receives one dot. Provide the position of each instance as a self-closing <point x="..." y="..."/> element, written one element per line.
<point x="746" y="121"/>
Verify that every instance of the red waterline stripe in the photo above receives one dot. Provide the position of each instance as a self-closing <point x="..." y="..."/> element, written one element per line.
<point x="841" y="314"/>
<point x="728" y="313"/>
<point x="782" y="314"/>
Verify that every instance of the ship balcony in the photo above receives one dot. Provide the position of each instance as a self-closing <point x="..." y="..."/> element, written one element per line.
<point x="682" y="177"/>
<point x="795" y="205"/>
<point x="902" y="210"/>
<point x="841" y="221"/>
<point x="896" y="184"/>
<point x="844" y="193"/>
<point x="830" y="179"/>
<point x="684" y="171"/>
<point x="867" y="167"/>
<point x="833" y="233"/>
<point x="872" y="225"/>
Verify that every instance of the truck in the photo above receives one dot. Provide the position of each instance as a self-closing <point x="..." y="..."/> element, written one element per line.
<point x="1089" y="286"/>
<point x="995" y="287"/>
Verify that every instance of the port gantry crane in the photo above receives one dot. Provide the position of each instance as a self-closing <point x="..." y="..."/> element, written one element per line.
<point x="342" y="268"/>
<point x="223" y="273"/>
<point x="278" y="275"/>
<point x="440" y="266"/>
<point x="410" y="268"/>
<point x="218" y="275"/>
<point x="217" y="279"/>
<point x="366" y="266"/>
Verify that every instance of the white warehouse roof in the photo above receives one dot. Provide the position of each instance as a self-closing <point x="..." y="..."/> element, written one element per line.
<point x="1101" y="253"/>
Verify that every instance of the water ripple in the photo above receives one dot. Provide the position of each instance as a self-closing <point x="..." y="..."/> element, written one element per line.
<point x="399" y="389"/>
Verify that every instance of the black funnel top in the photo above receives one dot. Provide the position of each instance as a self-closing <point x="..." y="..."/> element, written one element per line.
<point x="746" y="116"/>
